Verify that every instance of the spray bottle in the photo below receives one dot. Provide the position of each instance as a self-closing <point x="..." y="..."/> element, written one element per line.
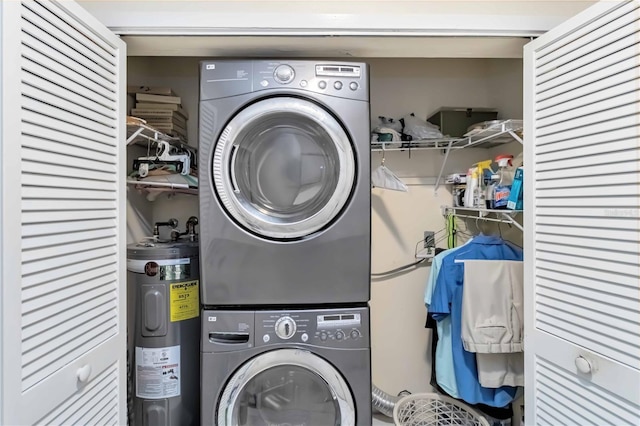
<point x="503" y="188"/>
<point x="484" y="177"/>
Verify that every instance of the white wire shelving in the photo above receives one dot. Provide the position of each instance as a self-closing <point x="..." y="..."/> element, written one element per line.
<point x="488" y="215"/>
<point x="140" y="133"/>
<point x="499" y="133"/>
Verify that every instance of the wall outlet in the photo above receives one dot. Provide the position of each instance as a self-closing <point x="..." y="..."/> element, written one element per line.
<point x="429" y="239"/>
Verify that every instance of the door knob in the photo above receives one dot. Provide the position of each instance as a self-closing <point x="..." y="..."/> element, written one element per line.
<point x="583" y="365"/>
<point x="83" y="373"/>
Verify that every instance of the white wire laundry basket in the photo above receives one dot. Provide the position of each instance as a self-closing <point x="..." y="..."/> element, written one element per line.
<point x="432" y="409"/>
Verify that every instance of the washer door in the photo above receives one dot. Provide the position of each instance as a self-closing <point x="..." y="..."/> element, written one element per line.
<point x="283" y="168"/>
<point x="286" y="386"/>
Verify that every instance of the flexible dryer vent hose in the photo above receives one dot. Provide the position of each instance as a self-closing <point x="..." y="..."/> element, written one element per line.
<point x="382" y="401"/>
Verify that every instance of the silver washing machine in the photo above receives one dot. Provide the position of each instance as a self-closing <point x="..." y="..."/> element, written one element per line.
<point x="285" y="192"/>
<point x="295" y="367"/>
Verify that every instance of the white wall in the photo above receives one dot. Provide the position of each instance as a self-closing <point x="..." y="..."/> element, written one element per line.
<point x="401" y="356"/>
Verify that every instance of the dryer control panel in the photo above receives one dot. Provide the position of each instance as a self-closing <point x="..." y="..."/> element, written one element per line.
<point x="222" y="78"/>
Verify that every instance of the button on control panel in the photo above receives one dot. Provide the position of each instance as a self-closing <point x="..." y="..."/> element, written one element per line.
<point x="338" y="328"/>
<point x="337" y="85"/>
<point x="322" y="84"/>
<point x="353" y="85"/>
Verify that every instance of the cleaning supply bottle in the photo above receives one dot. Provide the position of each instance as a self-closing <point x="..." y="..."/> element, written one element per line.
<point x="503" y="188"/>
<point x="484" y="178"/>
<point x="491" y="187"/>
<point x="472" y="184"/>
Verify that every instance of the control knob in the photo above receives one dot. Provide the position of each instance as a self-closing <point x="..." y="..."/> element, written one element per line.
<point x="284" y="74"/>
<point x="339" y="335"/>
<point x="285" y="328"/>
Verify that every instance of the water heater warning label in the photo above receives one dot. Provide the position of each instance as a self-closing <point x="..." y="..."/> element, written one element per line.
<point x="158" y="372"/>
<point x="184" y="300"/>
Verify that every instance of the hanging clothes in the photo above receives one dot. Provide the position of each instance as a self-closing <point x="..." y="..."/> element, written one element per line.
<point x="492" y="320"/>
<point x="446" y="302"/>
<point x="445" y="373"/>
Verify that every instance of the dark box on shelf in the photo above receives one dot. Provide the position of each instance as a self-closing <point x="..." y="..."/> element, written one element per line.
<point x="455" y="121"/>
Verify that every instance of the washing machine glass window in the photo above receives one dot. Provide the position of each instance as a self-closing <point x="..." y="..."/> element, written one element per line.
<point x="284" y="168"/>
<point x="287" y="386"/>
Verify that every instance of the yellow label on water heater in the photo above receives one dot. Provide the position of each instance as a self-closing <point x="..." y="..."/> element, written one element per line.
<point x="184" y="300"/>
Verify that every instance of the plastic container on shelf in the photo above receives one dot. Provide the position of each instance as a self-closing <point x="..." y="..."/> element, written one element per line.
<point x="503" y="188"/>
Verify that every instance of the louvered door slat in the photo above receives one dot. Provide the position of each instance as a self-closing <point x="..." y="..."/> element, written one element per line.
<point x="36" y="180"/>
<point x="610" y="234"/>
<point x="587" y="96"/>
<point x="43" y="230"/>
<point x="56" y="251"/>
<point x="71" y="34"/>
<point x="610" y="66"/>
<point x="583" y="287"/>
<point x="32" y="57"/>
<point x="43" y="169"/>
<point x="624" y="285"/>
<point x="622" y="136"/>
<point x="98" y="131"/>
<point x="67" y="237"/>
<point x="593" y="118"/>
<point x="35" y="314"/>
<point x="587" y="241"/>
<point x="593" y="89"/>
<point x="48" y="277"/>
<point x="598" y="44"/>
<point x="57" y="140"/>
<point x="47" y="338"/>
<point x="57" y="158"/>
<point x="568" y="138"/>
<point x="79" y="68"/>
<point x="75" y="29"/>
<point x="69" y="194"/>
<point x="549" y="51"/>
<point x="624" y="190"/>
<point x="582" y="220"/>
<point x="610" y="153"/>
<point x="573" y="111"/>
<point x="44" y="119"/>
<point x="66" y="101"/>
<point x="43" y="32"/>
<point x="63" y="249"/>
<point x="78" y="283"/>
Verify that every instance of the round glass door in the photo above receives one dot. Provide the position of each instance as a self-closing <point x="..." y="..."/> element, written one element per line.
<point x="287" y="386"/>
<point x="283" y="168"/>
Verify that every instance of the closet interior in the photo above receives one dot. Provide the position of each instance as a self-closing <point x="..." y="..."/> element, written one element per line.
<point x="401" y="356"/>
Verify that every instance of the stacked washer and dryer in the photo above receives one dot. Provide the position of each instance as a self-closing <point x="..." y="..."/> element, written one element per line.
<point x="285" y="243"/>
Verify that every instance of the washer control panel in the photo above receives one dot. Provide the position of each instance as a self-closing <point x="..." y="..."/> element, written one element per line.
<point x="340" y="328"/>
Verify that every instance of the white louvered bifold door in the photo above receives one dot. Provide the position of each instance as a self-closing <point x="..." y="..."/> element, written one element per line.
<point x="63" y="217"/>
<point x="582" y="213"/>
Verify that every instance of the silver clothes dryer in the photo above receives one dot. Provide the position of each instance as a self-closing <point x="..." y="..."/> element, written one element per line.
<point x="284" y="178"/>
<point x="295" y="367"/>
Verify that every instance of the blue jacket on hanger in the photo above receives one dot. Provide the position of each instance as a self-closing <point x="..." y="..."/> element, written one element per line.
<point x="447" y="300"/>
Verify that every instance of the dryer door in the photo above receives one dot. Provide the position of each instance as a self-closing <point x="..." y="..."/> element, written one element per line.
<point x="283" y="168"/>
<point x="286" y="386"/>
